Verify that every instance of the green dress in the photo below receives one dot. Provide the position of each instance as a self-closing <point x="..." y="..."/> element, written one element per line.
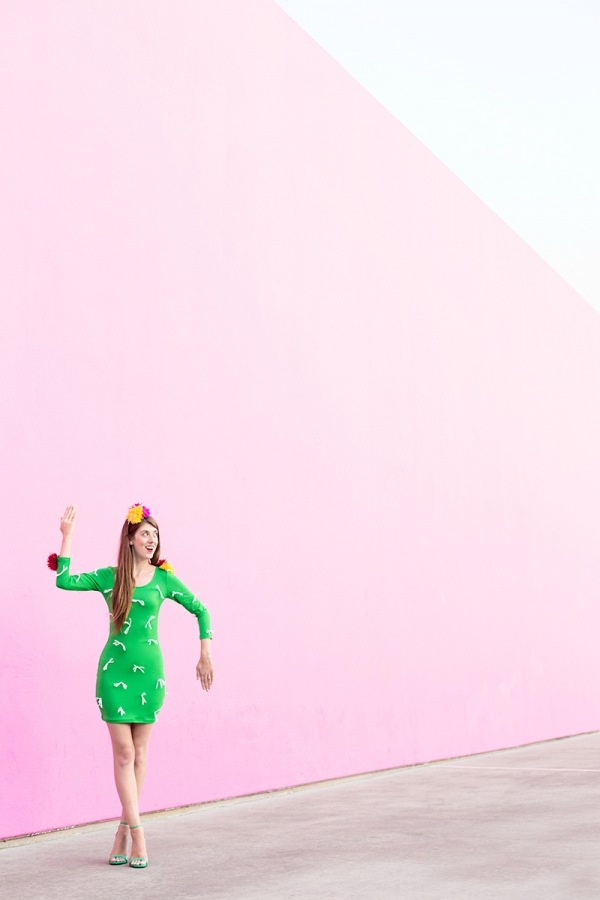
<point x="130" y="685"/>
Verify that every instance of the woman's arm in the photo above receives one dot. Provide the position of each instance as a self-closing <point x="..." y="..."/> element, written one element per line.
<point x="181" y="594"/>
<point x="88" y="581"/>
<point x="67" y="527"/>
<point x="204" y="669"/>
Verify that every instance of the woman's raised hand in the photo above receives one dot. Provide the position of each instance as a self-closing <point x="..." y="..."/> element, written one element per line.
<point x="67" y="523"/>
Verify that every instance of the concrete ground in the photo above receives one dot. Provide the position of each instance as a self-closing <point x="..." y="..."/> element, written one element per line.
<point x="509" y="825"/>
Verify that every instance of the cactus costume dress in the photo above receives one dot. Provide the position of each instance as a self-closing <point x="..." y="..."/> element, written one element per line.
<point x="130" y="685"/>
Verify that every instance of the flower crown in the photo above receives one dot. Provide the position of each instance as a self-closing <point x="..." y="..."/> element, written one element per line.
<point x="137" y="513"/>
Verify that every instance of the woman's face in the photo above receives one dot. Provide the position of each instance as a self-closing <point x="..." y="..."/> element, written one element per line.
<point x="145" y="541"/>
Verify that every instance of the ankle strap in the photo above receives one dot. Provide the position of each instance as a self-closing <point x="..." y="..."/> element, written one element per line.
<point x="124" y="823"/>
<point x="131" y="827"/>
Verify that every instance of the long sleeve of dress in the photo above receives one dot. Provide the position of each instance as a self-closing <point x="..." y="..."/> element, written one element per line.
<point x="87" y="581"/>
<point x="178" y="592"/>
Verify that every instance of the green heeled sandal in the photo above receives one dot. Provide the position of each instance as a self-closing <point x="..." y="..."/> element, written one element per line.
<point x="137" y="862"/>
<point x="117" y="859"/>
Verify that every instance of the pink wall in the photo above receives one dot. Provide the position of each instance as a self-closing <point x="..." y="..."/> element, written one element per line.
<point x="363" y="411"/>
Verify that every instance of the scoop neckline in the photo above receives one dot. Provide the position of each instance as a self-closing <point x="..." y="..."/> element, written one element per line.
<point x="140" y="587"/>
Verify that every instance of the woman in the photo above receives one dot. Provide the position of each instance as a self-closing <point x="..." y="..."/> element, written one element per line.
<point x="130" y="684"/>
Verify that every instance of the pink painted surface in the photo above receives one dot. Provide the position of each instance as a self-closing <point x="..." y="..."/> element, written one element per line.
<point x="364" y="413"/>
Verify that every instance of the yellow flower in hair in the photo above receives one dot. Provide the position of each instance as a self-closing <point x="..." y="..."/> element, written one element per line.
<point x="163" y="564"/>
<point x="136" y="513"/>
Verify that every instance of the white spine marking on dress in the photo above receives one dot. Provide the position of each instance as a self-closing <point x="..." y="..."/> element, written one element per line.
<point x="120" y="684"/>
<point x="121" y="711"/>
<point x="152" y="641"/>
<point x="160" y="683"/>
<point x="176" y="594"/>
<point x="99" y="701"/>
<point x="144" y="698"/>
<point x="119" y="644"/>
<point x="62" y="571"/>
<point x="128" y="623"/>
<point x="149" y="623"/>
<point x="160" y="592"/>
<point x="141" y="602"/>
<point x="141" y="668"/>
<point x="104" y="668"/>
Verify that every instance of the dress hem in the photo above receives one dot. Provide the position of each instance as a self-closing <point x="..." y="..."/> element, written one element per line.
<point x="130" y="721"/>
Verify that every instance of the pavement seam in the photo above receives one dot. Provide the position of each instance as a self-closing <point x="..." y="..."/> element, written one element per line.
<point x="514" y="768"/>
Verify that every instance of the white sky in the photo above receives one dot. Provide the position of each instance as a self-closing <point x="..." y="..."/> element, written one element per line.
<point x="505" y="92"/>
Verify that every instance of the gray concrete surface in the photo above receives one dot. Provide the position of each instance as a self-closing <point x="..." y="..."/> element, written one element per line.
<point x="516" y="824"/>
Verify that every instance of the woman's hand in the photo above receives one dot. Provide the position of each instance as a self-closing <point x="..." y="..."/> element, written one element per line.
<point x="204" y="670"/>
<point x="67" y="523"/>
<point x="67" y="526"/>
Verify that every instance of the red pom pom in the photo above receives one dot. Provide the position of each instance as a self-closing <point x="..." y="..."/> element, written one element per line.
<point x="160" y="562"/>
<point x="53" y="562"/>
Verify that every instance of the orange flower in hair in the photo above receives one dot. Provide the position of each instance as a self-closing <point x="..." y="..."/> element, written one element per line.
<point x="137" y="513"/>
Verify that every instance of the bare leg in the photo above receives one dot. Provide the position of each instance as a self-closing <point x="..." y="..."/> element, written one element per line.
<point x="141" y="738"/>
<point x="124" y="759"/>
<point x="130" y="751"/>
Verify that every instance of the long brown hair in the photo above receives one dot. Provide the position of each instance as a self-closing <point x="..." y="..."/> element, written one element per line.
<point x="122" y="595"/>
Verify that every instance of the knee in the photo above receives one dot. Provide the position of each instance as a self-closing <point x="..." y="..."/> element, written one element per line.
<point x="141" y="753"/>
<point x="124" y="754"/>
